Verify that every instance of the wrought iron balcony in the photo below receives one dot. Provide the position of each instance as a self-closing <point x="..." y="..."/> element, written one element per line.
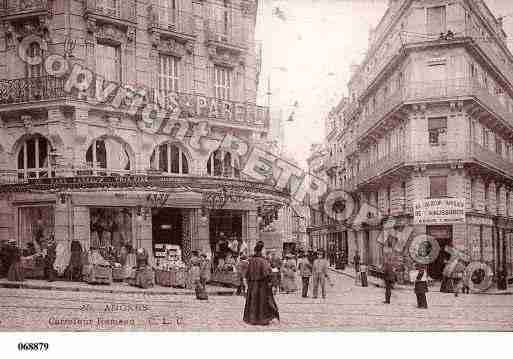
<point x="384" y="164"/>
<point x="112" y="10"/>
<point x="31" y="90"/>
<point x="490" y="158"/>
<point x="226" y="35"/>
<point x="177" y="24"/>
<point x="19" y="8"/>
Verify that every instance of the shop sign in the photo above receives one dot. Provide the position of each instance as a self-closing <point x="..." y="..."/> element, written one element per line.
<point x="439" y="211"/>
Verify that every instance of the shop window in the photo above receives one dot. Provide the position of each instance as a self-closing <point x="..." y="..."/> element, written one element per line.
<point x="436" y="20"/>
<point x="223" y="163"/>
<point x="107" y="156"/>
<point x="34" y="159"/>
<point x="35" y="227"/>
<point x="437" y="128"/>
<point x="222" y="82"/>
<point x="111" y="229"/>
<point x="169" y="158"/>
<point x="437" y="186"/>
<point x="168" y="73"/>
<point x="108" y="62"/>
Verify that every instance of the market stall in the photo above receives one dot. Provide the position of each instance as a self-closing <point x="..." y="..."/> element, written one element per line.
<point x="170" y="269"/>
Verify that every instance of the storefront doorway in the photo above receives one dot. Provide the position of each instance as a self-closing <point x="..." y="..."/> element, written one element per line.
<point x="35" y="227"/>
<point x="443" y="235"/>
<point x="167" y="226"/>
<point x="225" y="227"/>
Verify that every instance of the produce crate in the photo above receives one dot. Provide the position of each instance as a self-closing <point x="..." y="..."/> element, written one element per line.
<point x="229" y="279"/>
<point x="96" y="274"/>
<point x="170" y="278"/>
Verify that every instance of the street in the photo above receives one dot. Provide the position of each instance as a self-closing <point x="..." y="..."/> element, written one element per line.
<point x="346" y="308"/>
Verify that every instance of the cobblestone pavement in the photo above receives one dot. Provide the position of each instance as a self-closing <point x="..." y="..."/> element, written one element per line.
<point x="346" y="308"/>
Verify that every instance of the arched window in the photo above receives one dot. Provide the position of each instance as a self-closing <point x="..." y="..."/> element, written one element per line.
<point x="34" y="158"/>
<point x="108" y="156"/>
<point x="169" y="158"/>
<point x="223" y="163"/>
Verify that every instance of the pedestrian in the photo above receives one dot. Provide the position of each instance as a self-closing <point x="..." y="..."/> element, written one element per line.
<point x="205" y="267"/>
<point x="421" y="287"/>
<point x="194" y="275"/>
<point x="289" y="274"/>
<point x="260" y="307"/>
<point x="276" y="264"/>
<point x="356" y="261"/>
<point x="389" y="279"/>
<point x="50" y="257"/>
<point x="305" y="271"/>
<point x="74" y="270"/>
<point x="320" y="274"/>
<point x="242" y="268"/>
<point x="15" y="273"/>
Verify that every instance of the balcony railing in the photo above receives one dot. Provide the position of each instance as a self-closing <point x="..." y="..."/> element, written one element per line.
<point x="490" y="158"/>
<point x="20" y="7"/>
<point x="401" y="39"/>
<point x="31" y="90"/>
<point x="115" y="9"/>
<point x="226" y="33"/>
<point x="164" y="18"/>
<point x="394" y="159"/>
<point x="451" y="89"/>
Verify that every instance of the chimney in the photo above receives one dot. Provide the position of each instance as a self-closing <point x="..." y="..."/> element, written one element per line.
<point x="353" y="68"/>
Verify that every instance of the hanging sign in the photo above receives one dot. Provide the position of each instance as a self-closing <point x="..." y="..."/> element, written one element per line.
<point x="439" y="211"/>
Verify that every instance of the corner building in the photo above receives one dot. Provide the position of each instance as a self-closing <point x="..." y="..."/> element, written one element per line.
<point x="430" y="115"/>
<point x="75" y="167"/>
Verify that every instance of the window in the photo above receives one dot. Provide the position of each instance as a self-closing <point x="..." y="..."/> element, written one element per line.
<point x="108" y="62"/>
<point x="473" y="70"/>
<point x="34" y="50"/>
<point x="167" y="13"/>
<point x="437" y="186"/>
<point x="486" y="138"/>
<point x="223" y="163"/>
<point x="437" y="128"/>
<point x="169" y="158"/>
<point x="226" y="17"/>
<point x="222" y="82"/>
<point x="436" y="21"/>
<point x="34" y="158"/>
<point x="108" y="156"/>
<point x="498" y="146"/>
<point x="472" y="192"/>
<point x="168" y="73"/>
<point x="111" y="6"/>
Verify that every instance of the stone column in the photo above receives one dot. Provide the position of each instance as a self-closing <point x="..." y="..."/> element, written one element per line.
<point x="6" y="220"/>
<point x="62" y="220"/>
<point x="81" y="226"/>
<point x="201" y="228"/>
<point x="143" y="235"/>
<point x="252" y="226"/>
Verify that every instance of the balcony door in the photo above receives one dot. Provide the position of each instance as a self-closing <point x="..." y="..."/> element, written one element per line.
<point x="168" y="13"/>
<point x="436" y="20"/>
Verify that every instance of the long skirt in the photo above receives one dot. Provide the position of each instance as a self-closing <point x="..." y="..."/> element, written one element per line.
<point x="288" y="282"/>
<point x="15" y="273"/>
<point x="260" y="306"/>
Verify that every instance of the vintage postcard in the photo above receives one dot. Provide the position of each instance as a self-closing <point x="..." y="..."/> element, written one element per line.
<point x="255" y="165"/>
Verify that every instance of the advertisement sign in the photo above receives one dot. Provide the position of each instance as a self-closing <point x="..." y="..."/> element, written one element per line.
<point x="439" y="211"/>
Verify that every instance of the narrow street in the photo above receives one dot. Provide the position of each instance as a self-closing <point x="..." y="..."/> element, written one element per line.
<point x="346" y="308"/>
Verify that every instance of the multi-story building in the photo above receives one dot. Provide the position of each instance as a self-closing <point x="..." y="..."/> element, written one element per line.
<point x="83" y="165"/>
<point x="430" y="116"/>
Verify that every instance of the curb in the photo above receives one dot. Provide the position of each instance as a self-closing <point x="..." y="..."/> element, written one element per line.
<point x="401" y="287"/>
<point x="21" y="285"/>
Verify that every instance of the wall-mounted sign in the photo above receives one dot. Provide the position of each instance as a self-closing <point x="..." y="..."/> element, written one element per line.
<point x="439" y="211"/>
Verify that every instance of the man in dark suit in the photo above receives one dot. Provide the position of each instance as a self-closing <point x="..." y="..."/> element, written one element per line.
<point x="389" y="279"/>
<point x="421" y="287"/>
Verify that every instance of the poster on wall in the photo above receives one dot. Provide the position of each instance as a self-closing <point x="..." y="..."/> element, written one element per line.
<point x="439" y="211"/>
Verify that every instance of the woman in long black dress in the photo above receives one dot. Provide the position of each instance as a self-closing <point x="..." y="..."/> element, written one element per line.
<point x="260" y="308"/>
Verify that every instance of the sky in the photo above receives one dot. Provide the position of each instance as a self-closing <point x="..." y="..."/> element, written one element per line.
<point x="307" y="56"/>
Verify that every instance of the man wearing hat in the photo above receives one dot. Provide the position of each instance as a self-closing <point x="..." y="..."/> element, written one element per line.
<point x="320" y="274"/>
<point x="421" y="286"/>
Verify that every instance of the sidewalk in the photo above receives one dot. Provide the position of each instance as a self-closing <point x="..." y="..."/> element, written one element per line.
<point x="115" y="287"/>
<point x="349" y="272"/>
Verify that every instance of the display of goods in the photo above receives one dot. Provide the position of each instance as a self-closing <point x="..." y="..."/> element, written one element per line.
<point x="33" y="267"/>
<point x="118" y="274"/>
<point x="170" y="278"/>
<point x="97" y="274"/>
<point x="226" y="278"/>
<point x="144" y="278"/>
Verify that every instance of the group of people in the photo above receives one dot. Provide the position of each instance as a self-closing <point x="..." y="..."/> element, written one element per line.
<point x="420" y="279"/>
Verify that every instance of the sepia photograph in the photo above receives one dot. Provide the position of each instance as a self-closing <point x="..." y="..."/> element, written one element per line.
<point x="172" y="166"/>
